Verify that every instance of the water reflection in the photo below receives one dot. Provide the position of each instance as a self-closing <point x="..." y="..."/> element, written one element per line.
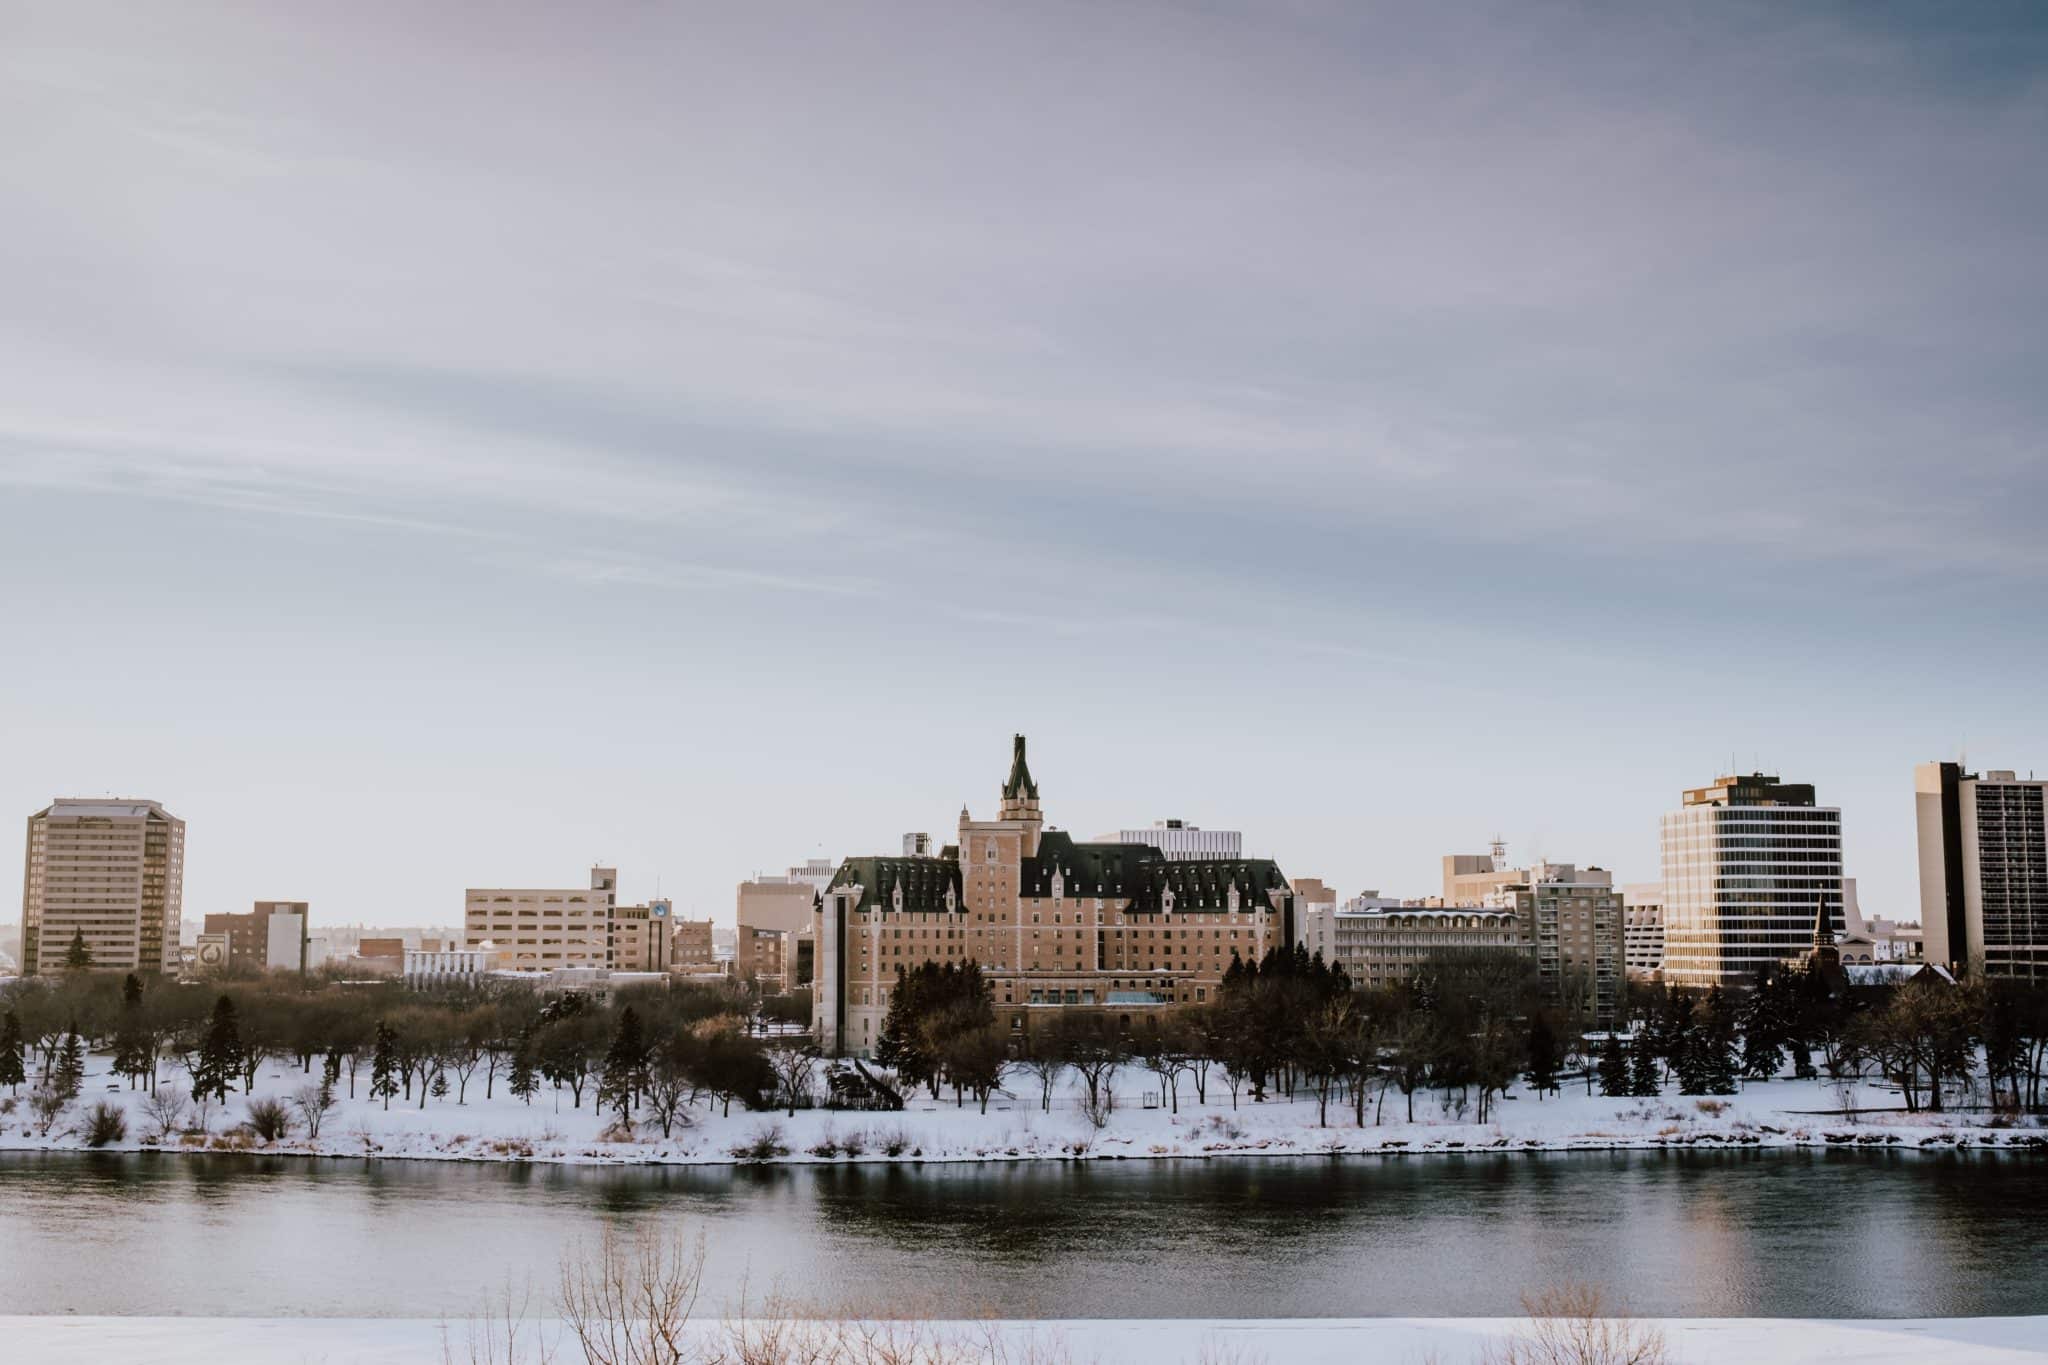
<point x="1848" y="1234"/>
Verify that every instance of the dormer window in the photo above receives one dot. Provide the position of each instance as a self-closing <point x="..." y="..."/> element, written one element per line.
<point x="896" y="897"/>
<point x="1059" y="886"/>
<point x="1166" y="900"/>
<point x="952" y="901"/>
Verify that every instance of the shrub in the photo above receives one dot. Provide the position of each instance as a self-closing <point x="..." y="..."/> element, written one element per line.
<point x="48" y="1104"/>
<point x="895" y="1142"/>
<point x="1711" y="1108"/>
<point x="824" y="1148"/>
<point x="1573" y="1325"/>
<point x="854" y="1143"/>
<point x="268" y="1120"/>
<point x="618" y="1130"/>
<point x="104" y="1123"/>
<point x="765" y="1145"/>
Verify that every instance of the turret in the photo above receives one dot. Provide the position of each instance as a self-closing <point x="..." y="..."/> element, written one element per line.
<point x="1020" y="797"/>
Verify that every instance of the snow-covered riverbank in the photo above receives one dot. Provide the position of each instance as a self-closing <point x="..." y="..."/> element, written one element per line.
<point x="1782" y="1113"/>
<point x="1297" y="1341"/>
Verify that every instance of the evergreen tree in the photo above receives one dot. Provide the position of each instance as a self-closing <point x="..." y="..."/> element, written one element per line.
<point x="220" y="1052"/>
<point x="1613" y="1067"/>
<point x="384" y="1064"/>
<point x="1716" y="1043"/>
<point x="440" y="1087"/>
<point x="78" y="956"/>
<point x="523" y="1081"/>
<point x="134" y="1049"/>
<point x="68" y="1077"/>
<point x="1543" y="1055"/>
<point x="625" y="1067"/>
<point x="1802" y="1061"/>
<point x="1643" y="1080"/>
<point x="12" y="1071"/>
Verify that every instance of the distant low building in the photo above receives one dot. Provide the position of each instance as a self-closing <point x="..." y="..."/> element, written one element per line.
<point x="1181" y="840"/>
<point x="270" y="936"/>
<point x="693" y="948"/>
<point x="1381" y="948"/>
<point x="447" y="966"/>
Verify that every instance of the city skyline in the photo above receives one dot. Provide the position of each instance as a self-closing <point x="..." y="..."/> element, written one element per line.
<point x="583" y="446"/>
<point x="1900" y="902"/>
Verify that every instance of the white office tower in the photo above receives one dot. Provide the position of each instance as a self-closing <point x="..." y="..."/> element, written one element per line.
<point x="1748" y="863"/>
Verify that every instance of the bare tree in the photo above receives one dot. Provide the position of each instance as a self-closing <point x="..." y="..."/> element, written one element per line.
<point x="165" y="1108"/>
<point x="793" y="1065"/>
<point x="1046" y="1060"/>
<point x="314" y="1103"/>
<point x="631" y="1304"/>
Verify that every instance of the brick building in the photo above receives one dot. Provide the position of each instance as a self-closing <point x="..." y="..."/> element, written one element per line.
<point x="1054" y="923"/>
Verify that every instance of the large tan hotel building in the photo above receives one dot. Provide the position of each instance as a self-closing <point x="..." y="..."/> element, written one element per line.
<point x="1055" y="924"/>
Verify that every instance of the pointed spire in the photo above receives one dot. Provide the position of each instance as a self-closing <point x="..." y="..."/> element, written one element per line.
<point x="1823" y="924"/>
<point x="1020" y="783"/>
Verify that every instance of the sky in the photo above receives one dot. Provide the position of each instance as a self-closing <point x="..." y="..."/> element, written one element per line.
<point x="453" y="445"/>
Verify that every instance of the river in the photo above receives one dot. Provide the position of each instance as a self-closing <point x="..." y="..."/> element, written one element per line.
<point x="1775" y="1234"/>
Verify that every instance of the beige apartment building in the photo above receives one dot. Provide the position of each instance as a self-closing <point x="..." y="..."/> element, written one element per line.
<point x="540" y="930"/>
<point x="1054" y="923"/>
<point x="1572" y="920"/>
<point x="111" y="871"/>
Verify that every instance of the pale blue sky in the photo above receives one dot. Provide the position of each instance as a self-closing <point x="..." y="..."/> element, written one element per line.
<point x="449" y="445"/>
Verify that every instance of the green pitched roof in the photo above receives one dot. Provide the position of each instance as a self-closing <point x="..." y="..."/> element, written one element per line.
<point x="925" y="882"/>
<point x="1020" y="783"/>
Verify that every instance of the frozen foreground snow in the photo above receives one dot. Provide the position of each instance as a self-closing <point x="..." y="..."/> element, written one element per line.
<point x="551" y="1128"/>
<point x="1313" y="1341"/>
